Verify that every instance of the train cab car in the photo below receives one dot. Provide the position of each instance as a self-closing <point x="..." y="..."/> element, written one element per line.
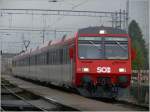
<point x="96" y="62"/>
<point x="103" y="61"/>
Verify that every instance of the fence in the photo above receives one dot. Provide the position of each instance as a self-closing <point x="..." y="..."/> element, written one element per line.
<point x="138" y="92"/>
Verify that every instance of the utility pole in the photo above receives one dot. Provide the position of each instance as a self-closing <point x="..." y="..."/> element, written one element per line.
<point x="1" y="57"/>
<point x="127" y="15"/>
<point x="55" y="34"/>
<point x="26" y="43"/>
<point x="1" y="45"/>
<point x="120" y="19"/>
<point x="22" y="42"/>
<point x="124" y="19"/>
<point x="43" y="36"/>
<point x="116" y="19"/>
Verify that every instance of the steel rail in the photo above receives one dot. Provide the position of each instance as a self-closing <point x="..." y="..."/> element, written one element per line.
<point x="2" y="109"/>
<point x="23" y="99"/>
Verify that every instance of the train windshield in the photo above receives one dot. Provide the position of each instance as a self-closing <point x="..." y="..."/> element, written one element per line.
<point x="103" y="47"/>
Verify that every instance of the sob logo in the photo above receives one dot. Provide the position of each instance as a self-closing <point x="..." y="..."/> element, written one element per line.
<point x="103" y="69"/>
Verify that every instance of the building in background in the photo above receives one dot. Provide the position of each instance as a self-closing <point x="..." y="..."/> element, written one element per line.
<point x="139" y="11"/>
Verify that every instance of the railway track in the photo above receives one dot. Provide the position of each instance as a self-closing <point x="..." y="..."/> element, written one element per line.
<point x="114" y="105"/>
<point x="34" y="107"/>
<point x="110" y="101"/>
<point x="13" y="99"/>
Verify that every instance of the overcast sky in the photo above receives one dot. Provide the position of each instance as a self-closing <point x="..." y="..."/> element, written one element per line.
<point x="12" y="40"/>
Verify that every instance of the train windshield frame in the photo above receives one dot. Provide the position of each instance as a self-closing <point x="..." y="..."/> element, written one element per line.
<point x="103" y="48"/>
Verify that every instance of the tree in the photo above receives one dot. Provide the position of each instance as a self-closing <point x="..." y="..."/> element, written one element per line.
<point x="138" y="43"/>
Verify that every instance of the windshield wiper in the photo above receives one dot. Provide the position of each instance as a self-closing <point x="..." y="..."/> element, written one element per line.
<point x="121" y="46"/>
<point x="94" y="45"/>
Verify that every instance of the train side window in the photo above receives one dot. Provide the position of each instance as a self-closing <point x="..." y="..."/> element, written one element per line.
<point x="14" y="63"/>
<point x="68" y="58"/>
<point x="35" y="59"/>
<point x="47" y="58"/>
<point x="29" y="60"/>
<point x="52" y="57"/>
<point x="32" y="60"/>
<point x="64" y="55"/>
<point x="38" y="59"/>
<point x="23" y="62"/>
<point x="67" y="55"/>
<point x="18" y="62"/>
<point x="43" y="59"/>
<point x="61" y="56"/>
<point x="57" y="56"/>
<point x="46" y="61"/>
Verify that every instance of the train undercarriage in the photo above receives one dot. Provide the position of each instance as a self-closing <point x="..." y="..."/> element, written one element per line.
<point x="104" y="89"/>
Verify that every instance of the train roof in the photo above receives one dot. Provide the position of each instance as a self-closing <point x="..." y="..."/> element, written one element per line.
<point x="96" y="30"/>
<point x="43" y="47"/>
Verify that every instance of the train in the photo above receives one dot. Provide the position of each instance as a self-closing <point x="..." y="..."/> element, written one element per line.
<point x="96" y="62"/>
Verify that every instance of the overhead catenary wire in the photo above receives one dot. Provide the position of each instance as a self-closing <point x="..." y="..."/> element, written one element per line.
<point x="75" y="6"/>
<point x="46" y="12"/>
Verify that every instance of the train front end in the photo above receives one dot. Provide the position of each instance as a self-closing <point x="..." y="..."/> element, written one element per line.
<point x="103" y="61"/>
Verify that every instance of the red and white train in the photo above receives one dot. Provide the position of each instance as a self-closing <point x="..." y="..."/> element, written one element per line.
<point x="96" y="61"/>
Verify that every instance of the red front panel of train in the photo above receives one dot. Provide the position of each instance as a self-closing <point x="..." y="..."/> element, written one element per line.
<point x="103" y="56"/>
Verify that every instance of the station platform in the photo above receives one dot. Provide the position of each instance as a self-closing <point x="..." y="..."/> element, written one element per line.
<point x="68" y="99"/>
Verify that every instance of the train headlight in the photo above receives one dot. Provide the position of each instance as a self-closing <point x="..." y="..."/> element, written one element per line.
<point x="122" y="69"/>
<point x="102" y="32"/>
<point x="85" y="69"/>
